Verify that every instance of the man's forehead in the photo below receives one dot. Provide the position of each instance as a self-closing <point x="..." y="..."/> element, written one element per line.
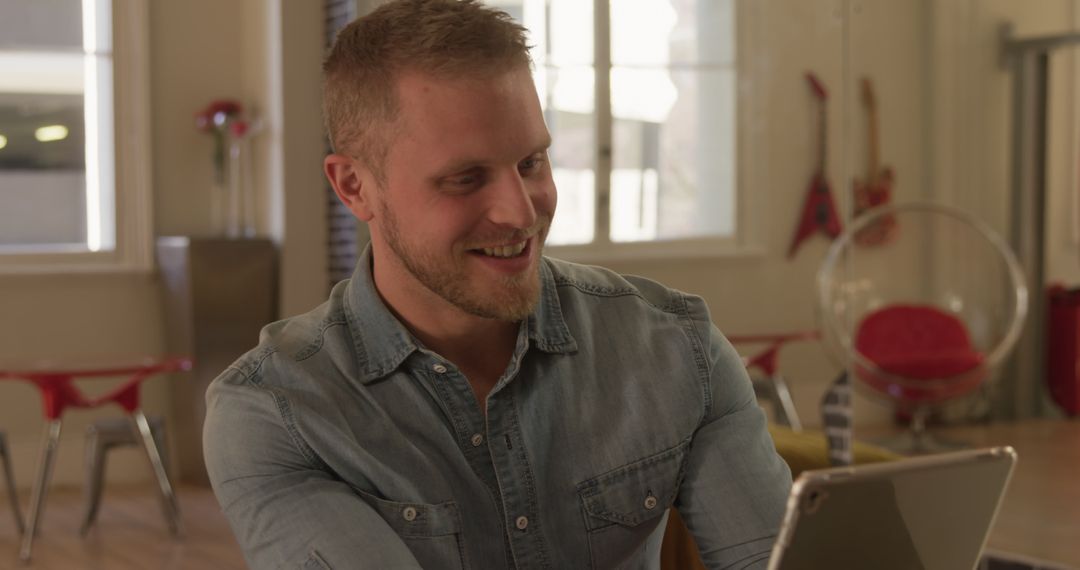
<point x="481" y="109"/>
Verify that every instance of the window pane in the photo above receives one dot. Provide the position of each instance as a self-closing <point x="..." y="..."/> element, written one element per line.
<point x="672" y="32"/>
<point x="56" y="125"/>
<point x="673" y="105"/>
<point x="674" y="154"/>
<point x="34" y="25"/>
<point x="561" y="36"/>
<point x="569" y="109"/>
<point x="42" y="184"/>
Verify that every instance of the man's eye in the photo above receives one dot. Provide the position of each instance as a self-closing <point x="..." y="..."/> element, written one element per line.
<point x="466" y="180"/>
<point x="530" y="164"/>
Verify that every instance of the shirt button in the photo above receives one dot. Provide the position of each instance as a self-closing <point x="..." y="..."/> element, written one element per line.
<point x="439" y="368"/>
<point x="408" y="513"/>
<point x="477" y="439"/>
<point x="650" y="502"/>
<point x="522" y="523"/>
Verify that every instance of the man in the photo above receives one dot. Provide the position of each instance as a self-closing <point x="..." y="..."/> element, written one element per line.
<point x="462" y="401"/>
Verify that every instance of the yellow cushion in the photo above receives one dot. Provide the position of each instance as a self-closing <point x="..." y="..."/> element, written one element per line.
<point x="807" y="450"/>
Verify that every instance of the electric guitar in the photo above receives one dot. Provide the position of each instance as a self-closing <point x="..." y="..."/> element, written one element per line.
<point x="876" y="189"/>
<point x="819" y="211"/>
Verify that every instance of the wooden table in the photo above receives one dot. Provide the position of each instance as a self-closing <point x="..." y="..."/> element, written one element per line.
<point x="1040" y="516"/>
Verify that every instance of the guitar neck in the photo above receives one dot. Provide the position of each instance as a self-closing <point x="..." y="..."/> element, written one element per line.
<point x="872" y="157"/>
<point x="823" y="142"/>
<point x="872" y="144"/>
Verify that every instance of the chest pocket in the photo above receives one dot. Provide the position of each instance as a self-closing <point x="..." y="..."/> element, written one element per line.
<point x="623" y="507"/>
<point x="432" y="532"/>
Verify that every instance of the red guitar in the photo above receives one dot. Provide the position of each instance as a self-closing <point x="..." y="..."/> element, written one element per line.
<point x="876" y="189"/>
<point x="819" y="212"/>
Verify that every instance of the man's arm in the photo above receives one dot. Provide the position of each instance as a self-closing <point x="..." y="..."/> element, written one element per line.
<point x="736" y="485"/>
<point x="285" y="510"/>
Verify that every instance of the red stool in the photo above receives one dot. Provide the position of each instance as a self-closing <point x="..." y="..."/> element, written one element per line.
<point x="58" y="393"/>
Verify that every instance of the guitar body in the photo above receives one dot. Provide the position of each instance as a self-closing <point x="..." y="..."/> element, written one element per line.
<point x="818" y="215"/>
<point x="819" y="211"/>
<point x="869" y="196"/>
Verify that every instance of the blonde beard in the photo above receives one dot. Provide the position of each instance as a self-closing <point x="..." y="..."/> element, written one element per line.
<point x="514" y="298"/>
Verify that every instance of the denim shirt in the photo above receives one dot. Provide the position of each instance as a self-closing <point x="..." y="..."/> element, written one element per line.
<point x="342" y="442"/>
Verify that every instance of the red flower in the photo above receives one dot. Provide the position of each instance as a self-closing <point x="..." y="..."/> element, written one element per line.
<point x="239" y="128"/>
<point x="221" y="118"/>
<point x="217" y="114"/>
<point x="227" y="106"/>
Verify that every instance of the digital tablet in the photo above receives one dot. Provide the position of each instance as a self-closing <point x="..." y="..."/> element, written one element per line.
<point x="926" y="513"/>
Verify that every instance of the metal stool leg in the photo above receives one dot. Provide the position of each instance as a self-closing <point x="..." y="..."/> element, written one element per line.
<point x="95" y="471"/>
<point x="168" y="498"/>
<point x="41" y="486"/>
<point x="9" y="475"/>
<point x="784" y="402"/>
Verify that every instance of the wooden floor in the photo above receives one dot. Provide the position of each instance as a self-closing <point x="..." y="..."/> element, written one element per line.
<point x="130" y="534"/>
<point x="1040" y="515"/>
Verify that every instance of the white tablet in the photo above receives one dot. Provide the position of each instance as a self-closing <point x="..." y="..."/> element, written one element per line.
<point x="926" y="513"/>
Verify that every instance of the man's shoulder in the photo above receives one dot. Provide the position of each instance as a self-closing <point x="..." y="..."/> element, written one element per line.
<point x="289" y="342"/>
<point x="603" y="283"/>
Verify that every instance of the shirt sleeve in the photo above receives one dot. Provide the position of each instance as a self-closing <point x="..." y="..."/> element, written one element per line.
<point x="736" y="485"/>
<point x="285" y="510"/>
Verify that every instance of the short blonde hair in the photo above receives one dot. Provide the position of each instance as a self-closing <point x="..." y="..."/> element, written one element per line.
<point x="445" y="38"/>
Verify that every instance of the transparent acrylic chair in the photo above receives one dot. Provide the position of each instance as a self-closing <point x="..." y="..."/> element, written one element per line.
<point x="926" y="316"/>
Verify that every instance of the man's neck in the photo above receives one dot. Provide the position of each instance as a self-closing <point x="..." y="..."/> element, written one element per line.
<point x="480" y="347"/>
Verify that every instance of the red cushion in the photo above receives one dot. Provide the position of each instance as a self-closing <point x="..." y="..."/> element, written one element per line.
<point x="920" y="343"/>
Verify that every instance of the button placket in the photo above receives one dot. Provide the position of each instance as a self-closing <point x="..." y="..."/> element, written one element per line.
<point x="465" y="419"/>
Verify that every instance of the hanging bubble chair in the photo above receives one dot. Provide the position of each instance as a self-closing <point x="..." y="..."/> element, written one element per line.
<point x="925" y="315"/>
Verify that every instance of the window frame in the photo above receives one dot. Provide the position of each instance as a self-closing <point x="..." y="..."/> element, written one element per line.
<point x="746" y="241"/>
<point x="132" y="155"/>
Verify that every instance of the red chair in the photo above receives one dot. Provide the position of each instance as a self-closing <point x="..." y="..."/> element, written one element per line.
<point x="59" y="392"/>
<point x="926" y="317"/>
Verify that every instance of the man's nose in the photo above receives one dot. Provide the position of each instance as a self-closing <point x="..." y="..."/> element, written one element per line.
<point x="511" y="203"/>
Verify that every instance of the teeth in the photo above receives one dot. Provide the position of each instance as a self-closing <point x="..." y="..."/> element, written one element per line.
<point x="506" y="250"/>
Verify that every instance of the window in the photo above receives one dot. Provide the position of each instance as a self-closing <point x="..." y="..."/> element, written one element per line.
<point x="74" y="176"/>
<point x="644" y="150"/>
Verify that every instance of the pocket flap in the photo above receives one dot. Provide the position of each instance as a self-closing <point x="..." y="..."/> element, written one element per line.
<point x="416" y="519"/>
<point x="634" y="493"/>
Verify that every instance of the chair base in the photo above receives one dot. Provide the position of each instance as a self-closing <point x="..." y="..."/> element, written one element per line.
<point x="103" y="436"/>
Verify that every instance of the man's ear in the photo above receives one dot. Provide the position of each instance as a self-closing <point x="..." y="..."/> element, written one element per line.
<point x="352" y="184"/>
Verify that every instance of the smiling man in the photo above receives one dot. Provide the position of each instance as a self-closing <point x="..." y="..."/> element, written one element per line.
<point x="464" y="401"/>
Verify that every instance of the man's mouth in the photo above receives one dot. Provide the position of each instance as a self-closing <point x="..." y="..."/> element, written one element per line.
<point x="512" y="250"/>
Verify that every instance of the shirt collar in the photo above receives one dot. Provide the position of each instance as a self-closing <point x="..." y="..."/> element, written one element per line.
<point x="547" y="328"/>
<point x="382" y="343"/>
